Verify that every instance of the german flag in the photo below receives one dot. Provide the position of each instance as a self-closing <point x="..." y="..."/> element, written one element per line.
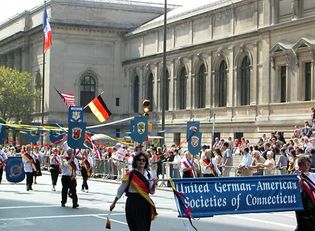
<point x="99" y="109"/>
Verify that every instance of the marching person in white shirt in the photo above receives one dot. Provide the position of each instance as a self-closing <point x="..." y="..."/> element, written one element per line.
<point x="3" y="158"/>
<point x="188" y="166"/>
<point x="29" y="166"/>
<point x="86" y="169"/>
<point x="54" y="167"/>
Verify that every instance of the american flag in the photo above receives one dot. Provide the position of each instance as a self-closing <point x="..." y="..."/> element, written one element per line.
<point x="94" y="147"/>
<point x="67" y="98"/>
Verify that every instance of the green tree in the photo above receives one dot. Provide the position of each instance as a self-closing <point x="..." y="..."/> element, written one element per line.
<point x="17" y="96"/>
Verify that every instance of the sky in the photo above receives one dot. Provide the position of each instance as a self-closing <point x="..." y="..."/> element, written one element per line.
<point x="10" y="8"/>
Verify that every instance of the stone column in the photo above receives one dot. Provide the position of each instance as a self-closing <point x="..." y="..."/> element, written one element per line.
<point x="155" y="100"/>
<point x="171" y="86"/>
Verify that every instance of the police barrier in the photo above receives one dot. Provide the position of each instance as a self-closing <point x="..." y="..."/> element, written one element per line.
<point x="226" y="195"/>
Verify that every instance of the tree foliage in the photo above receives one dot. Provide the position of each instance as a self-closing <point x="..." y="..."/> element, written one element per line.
<point x="17" y="95"/>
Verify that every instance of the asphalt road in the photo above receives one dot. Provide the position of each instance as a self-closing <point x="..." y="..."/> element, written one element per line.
<point x="40" y="210"/>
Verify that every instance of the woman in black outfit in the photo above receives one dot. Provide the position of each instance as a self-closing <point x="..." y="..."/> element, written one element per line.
<point x="140" y="209"/>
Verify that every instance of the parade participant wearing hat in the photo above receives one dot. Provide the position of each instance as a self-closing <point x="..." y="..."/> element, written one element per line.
<point x="137" y="184"/>
<point x="70" y="167"/>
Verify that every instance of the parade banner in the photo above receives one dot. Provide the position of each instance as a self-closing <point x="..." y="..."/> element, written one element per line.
<point x="192" y="127"/>
<point x="33" y="135"/>
<point x="55" y="136"/>
<point x="76" y="135"/>
<point x="139" y="128"/>
<point x="2" y="131"/>
<point x="206" y="197"/>
<point x="14" y="169"/>
<point x="75" y="114"/>
<point x="194" y="143"/>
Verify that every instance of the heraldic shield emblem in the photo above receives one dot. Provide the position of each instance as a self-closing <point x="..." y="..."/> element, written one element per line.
<point x="194" y="143"/>
<point x="139" y="128"/>
<point x="76" y="134"/>
<point x="14" y="169"/>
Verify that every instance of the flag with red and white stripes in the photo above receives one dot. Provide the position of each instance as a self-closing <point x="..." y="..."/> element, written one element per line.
<point x="94" y="147"/>
<point x="67" y="98"/>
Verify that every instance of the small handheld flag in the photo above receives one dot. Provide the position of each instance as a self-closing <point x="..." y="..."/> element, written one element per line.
<point x="108" y="224"/>
<point x="99" y="109"/>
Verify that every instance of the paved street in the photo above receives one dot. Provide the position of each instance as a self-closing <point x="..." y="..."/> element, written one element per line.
<point x="40" y="210"/>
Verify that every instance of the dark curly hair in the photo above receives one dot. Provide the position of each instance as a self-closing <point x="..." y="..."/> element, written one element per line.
<point x="137" y="157"/>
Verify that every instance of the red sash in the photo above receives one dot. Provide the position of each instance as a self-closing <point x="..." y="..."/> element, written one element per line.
<point x="30" y="160"/>
<point x="207" y="161"/>
<point x="190" y="170"/>
<point x="87" y="166"/>
<point x="141" y="185"/>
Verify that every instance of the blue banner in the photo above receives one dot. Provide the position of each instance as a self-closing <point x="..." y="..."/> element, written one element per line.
<point x="192" y="127"/>
<point x="207" y="197"/>
<point x="33" y="135"/>
<point x="194" y="143"/>
<point x="14" y="169"/>
<point x="76" y="135"/>
<point x="139" y="128"/>
<point x="75" y="114"/>
<point x="54" y="136"/>
<point x="2" y="131"/>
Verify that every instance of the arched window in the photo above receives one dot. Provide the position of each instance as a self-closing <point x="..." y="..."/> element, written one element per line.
<point x="221" y="85"/>
<point x="136" y="94"/>
<point x="87" y="89"/>
<point x="245" y="81"/>
<point x="149" y="92"/>
<point x="201" y="87"/>
<point x="182" y="86"/>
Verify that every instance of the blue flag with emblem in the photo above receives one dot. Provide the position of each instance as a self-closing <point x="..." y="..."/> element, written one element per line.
<point x="56" y="135"/>
<point x="14" y="169"/>
<point x="2" y="131"/>
<point x="76" y="135"/>
<point x="192" y="127"/>
<point x="139" y="128"/>
<point x="33" y="135"/>
<point x="194" y="143"/>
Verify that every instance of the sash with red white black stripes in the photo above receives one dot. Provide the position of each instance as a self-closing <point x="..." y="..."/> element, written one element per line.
<point x="190" y="169"/>
<point x="29" y="159"/>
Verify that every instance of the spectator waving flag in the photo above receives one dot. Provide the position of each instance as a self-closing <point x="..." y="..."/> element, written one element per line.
<point x="47" y="30"/>
<point x="99" y="109"/>
<point x="67" y="98"/>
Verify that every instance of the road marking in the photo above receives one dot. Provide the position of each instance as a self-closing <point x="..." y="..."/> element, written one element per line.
<point x="29" y="206"/>
<point x="59" y="216"/>
<point x="119" y="222"/>
<point x="262" y="221"/>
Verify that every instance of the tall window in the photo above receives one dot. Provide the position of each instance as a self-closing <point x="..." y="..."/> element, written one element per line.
<point x="308" y="76"/>
<point x="283" y="84"/>
<point x="221" y="85"/>
<point x="182" y="86"/>
<point x="149" y="93"/>
<point x="245" y="81"/>
<point x="87" y="90"/>
<point x="201" y="87"/>
<point x="136" y="94"/>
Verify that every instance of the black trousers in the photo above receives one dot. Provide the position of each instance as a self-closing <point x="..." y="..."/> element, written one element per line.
<point x="69" y="185"/>
<point x="1" y="173"/>
<point x="138" y="213"/>
<point x="85" y="178"/>
<point x="29" y="180"/>
<point x="54" y="172"/>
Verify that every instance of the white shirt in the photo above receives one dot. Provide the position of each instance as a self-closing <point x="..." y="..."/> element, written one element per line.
<point x="246" y="160"/>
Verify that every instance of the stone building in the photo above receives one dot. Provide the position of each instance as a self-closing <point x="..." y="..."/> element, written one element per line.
<point x="244" y="65"/>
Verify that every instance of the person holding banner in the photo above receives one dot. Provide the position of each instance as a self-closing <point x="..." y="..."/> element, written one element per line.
<point x="3" y="158"/>
<point x="70" y="167"/>
<point x="29" y="166"/>
<point x="306" y="218"/>
<point x="138" y="184"/>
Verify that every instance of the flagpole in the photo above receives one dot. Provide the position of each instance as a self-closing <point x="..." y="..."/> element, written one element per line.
<point x="164" y="75"/>
<point x="43" y="86"/>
